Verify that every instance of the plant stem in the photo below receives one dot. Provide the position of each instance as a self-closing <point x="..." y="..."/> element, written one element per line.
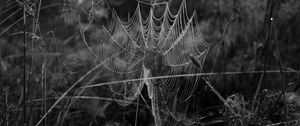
<point x="24" y="64"/>
<point x="73" y="86"/>
<point x="186" y="75"/>
<point x="6" y="106"/>
<point x="283" y="83"/>
<point x="137" y="111"/>
<point x="268" y="38"/>
<point x="266" y="48"/>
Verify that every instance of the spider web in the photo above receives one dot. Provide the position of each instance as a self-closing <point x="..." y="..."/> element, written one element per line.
<point x="151" y="47"/>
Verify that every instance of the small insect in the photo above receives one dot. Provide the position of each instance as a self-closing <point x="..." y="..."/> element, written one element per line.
<point x="195" y="61"/>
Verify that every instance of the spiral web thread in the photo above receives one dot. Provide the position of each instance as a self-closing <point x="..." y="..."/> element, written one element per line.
<point x="170" y="44"/>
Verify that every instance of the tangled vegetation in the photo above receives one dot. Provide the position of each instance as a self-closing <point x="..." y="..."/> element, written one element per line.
<point x="149" y="62"/>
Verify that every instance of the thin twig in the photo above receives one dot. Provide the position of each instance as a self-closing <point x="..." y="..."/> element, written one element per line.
<point x="220" y="47"/>
<point x="283" y="82"/>
<point x="225" y="102"/>
<point x="76" y="83"/>
<point x="12" y="7"/>
<point x="44" y="85"/>
<point x="20" y="19"/>
<point x="287" y="122"/>
<point x="184" y="75"/>
<point x="24" y="64"/>
<point x="6" y="106"/>
<point x="137" y="111"/>
<point x="266" y="48"/>
<point x="11" y="25"/>
<point x="35" y="26"/>
<point x="9" y="16"/>
<point x="59" y="15"/>
<point x="256" y="93"/>
<point x="8" y="4"/>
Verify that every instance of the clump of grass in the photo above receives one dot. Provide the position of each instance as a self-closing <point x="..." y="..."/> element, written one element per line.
<point x="269" y="111"/>
<point x="42" y="64"/>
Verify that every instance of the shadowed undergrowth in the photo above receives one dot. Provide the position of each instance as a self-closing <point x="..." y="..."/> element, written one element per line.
<point x="80" y="70"/>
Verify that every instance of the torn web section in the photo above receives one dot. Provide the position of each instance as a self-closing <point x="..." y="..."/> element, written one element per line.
<point x="122" y="61"/>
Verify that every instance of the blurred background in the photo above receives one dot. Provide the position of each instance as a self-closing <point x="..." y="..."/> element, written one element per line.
<point x="56" y="56"/>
